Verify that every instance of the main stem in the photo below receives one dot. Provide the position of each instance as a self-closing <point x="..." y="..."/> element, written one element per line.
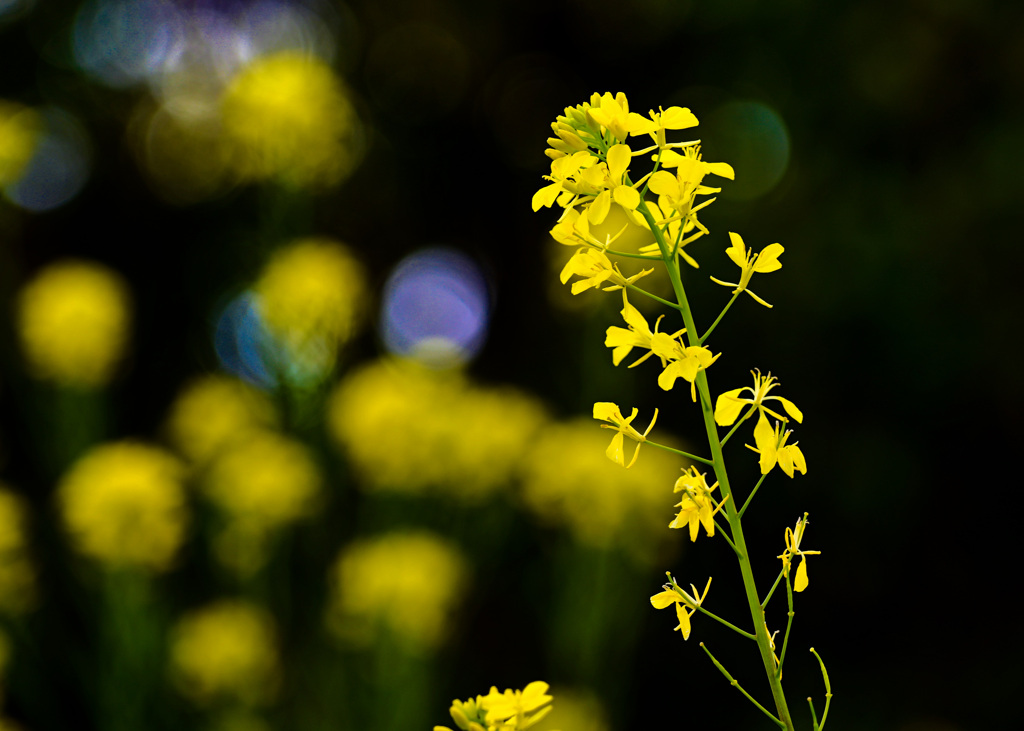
<point x="764" y="642"/>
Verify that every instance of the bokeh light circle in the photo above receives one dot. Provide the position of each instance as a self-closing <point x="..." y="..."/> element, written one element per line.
<point x="240" y="341"/>
<point x="751" y="137"/>
<point x="59" y="166"/>
<point x="435" y="308"/>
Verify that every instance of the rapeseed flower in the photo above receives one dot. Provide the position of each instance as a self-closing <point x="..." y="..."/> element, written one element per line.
<point x="637" y="335"/>
<point x="287" y="117"/>
<point x="214" y="411"/>
<point x="73" y="322"/>
<point x="596" y="269"/>
<point x="123" y="504"/>
<point x="697" y="507"/>
<point x="771" y="445"/>
<point x="794" y="536"/>
<point x="686" y="604"/>
<point x="606" y="411"/>
<point x="508" y="711"/>
<point x="763" y="262"/>
<point x="407" y="583"/>
<point x="20" y="129"/>
<point x="17" y="577"/>
<point x="682" y="361"/>
<point x="226" y="650"/>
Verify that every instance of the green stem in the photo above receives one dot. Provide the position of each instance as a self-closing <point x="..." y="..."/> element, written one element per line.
<point x="828" y="689"/>
<point x="751" y="495"/>
<point x="735" y="683"/>
<point x="630" y="255"/>
<point x="789" y="623"/>
<point x="730" y="625"/>
<point x="764" y="643"/>
<point x="718" y="319"/>
<point x="694" y="457"/>
<point x="654" y="297"/>
<point x="778" y="578"/>
<point x="737" y="425"/>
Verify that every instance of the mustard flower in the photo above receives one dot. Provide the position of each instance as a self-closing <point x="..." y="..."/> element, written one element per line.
<point x="618" y="159"/>
<point x="562" y="187"/>
<point x="409" y="583"/>
<point x="637" y="335"/>
<point x="596" y="269"/>
<point x="573" y="229"/>
<point x="73" y="322"/>
<point x="225" y="650"/>
<point x="697" y="506"/>
<point x="771" y="445"/>
<point x="794" y="536"/>
<point x="676" y="229"/>
<point x="518" y="709"/>
<point x="767" y="260"/>
<point x="20" y="129"/>
<point x="681" y="188"/>
<point x="655" y="126"/>
<point x="124" y="505"/>
<point x="607" y="411"/>
<point x="683" y="361"/>
<point x="612" y="113"/>
<point x="730" y="404"/>
<point x="686" y="604"/>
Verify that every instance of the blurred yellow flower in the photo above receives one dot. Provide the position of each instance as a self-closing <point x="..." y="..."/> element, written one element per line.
<point x="266" y="479"/>
<point x="19" y="135"/>
<point x="287" y="117"/>
<point x="508" y="711"/>
<point x="73" y="320"/>
<point x="406" y="583"/>
<point x="576" y="711"/>
<point x="226" y="650"/>
<point x="123" y="504"/>
<point x="17" y="578"/>
<point x="407" y="429"/>
<point x="214" y="411"/>
<point x="312" y="294"/>
<point x="565" y="482"/>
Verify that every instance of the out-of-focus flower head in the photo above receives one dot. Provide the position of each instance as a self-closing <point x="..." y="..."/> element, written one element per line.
<point x="20" y="128"/>
<point x="576" y="711"/>
<point x="261" y="483"/>
<point x="312" y="294"/>
<point x="17" y="579"/>
<point x="600" y="503"/>
<point x="409" y="429"/>
<point x="214" y="411"/>
<point x="287" y="117"/>
<point x="226" y="650"/>
<point x="508" y="711"/>
<point x="404" y="583"/>
<point x="123" y="504"/>
<point x="73" y="321"/>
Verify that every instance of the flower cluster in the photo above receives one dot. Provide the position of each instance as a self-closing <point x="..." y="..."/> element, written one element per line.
<point x="508" y="711"/>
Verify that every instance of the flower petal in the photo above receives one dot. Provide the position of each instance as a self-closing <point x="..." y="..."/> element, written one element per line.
<point x="728" y="407"/>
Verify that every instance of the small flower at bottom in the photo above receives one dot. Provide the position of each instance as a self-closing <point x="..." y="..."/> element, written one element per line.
<point x="686" y="604"/>
<point x="512" y="710"/>
<point x="607" y="411"/>
<point x="771" y="445"/>
<point x="793" y="538"/>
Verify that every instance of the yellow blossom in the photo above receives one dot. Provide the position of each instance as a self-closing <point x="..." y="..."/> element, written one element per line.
<point x="606" y="411"/>
<point x="20" y="129"/>
<point x="697" y="507"/>
<point x="612" y="113"/>
<point x="771" y="445"/>
<point x="730" y="404"/>
<point x="17" y="579"/>
<point x="225" y="650"/>
<point x="408" y="583"/>
<point x="655" y="126"/>
<point x="214" y="411"/>
<point x="615" y="187"/>
<point x="511" y="710"/>
<point x="767" y="260"/>
<point x="564" y="184"/>
<point x="637" y="335"/>
<point x="683" y="362"/>
<point x="73" y="322"/>
<point x="597" y="269"/>
<point x="680" y="190"/>
<point x="794" y="536"/>
<point x="123" y="504"/>
<point x="312" y="295"/>
<point x="685" y="603"/>
<point x="286" y="116"/>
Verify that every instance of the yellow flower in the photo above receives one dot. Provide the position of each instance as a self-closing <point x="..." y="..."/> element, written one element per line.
<point x="794" y="536"/>
<point x="287" y="117"/>
<point x="729" y="404"/>
<point x="517" y="709"/>
<point x="565" y="180"/>
<point x="17" y="579"/>
<point x="697" y="506"/>
<point x="655" y="126"/>
<point x="225" y="650"/>
<point x="312" y="294"/>
<point x="612" y="113"/>
<point x="123" y="504"/>
<point x="615" y="188"/>
<point x="607" y="411"/>
<point x="20" y="128"/>
<point x="73" y="321"/>
<point x="408" y="583"/>
<point x="686" y="604"/>
<point x="597" y="269"/>
<point x="767" y="260"/>
<point x="683" y="362"/>
<point x="680" y="190"/>
<point x="638" y="335"/>
<point x="214" y="411"/>
<point x="771" y="445"/>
